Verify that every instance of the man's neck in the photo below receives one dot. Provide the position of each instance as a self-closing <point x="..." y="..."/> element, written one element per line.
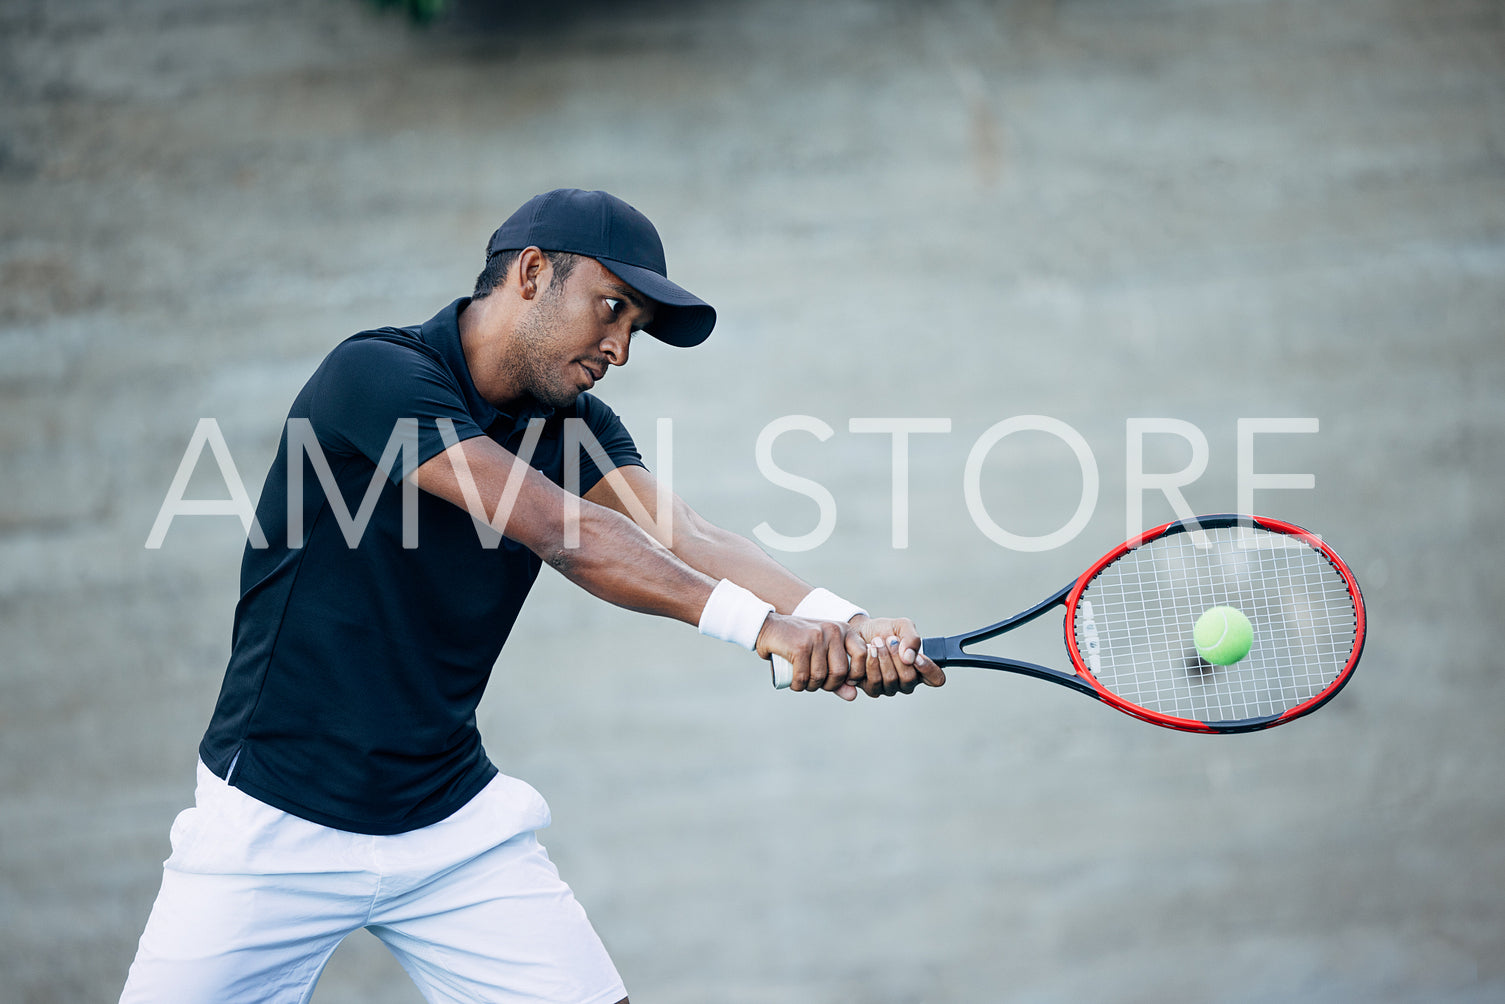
<point x="484" y="334"/>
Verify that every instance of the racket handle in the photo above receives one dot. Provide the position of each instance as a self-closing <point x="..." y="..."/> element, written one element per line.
<point x="783" y="669"/>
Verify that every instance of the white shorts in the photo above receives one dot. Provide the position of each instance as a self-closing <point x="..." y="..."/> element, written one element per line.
<point x="254" y="901"/>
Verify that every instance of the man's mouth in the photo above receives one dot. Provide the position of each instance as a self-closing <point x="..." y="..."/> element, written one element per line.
<point x="596" y="375"/>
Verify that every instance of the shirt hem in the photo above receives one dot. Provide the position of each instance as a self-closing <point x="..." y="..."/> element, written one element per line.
<point x="381" y="828"/>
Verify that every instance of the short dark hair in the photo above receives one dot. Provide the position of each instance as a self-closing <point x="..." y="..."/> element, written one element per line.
<point x="500" y="263"/>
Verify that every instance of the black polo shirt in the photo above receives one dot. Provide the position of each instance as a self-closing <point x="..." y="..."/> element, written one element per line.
<point x="355" y="671"/>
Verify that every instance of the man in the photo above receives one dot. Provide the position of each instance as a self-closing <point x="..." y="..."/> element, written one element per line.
<point x="342" y="781"/>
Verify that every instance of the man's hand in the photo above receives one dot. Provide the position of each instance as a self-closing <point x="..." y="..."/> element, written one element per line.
<point x="892" y="662"/>
<point x="823" y="653"/>
<point x="879" y="655"/>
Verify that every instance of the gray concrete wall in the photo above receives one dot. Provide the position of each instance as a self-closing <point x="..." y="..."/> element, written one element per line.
<point x="1093" y="211"/>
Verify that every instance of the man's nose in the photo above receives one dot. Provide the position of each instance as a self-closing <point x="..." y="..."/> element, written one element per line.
<point x="616" y="347"/>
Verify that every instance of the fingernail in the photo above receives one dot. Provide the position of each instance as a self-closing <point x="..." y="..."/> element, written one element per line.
<point x="893" y="642"/>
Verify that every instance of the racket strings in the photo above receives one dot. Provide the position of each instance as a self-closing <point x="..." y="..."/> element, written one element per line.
<point x="1134" y="623"/>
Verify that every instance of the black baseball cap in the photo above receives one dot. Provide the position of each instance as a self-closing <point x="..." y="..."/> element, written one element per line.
<point x="603" y="227"/>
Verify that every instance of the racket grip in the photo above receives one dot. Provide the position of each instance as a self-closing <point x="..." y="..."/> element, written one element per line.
<point x="783" y="670"/>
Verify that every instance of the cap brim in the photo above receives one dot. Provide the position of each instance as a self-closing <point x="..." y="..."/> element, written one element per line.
<point x="682" y="318"/>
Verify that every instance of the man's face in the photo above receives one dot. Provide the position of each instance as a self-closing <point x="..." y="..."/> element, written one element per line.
<point x="576" y="330"/>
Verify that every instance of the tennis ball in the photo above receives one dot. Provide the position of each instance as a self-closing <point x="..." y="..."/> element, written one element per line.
<point x="1223" y="635"/>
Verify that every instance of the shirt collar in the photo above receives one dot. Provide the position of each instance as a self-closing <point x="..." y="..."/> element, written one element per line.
<point x="442" y="332"/>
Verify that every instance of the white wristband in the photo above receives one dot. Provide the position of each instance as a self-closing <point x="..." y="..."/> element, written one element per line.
<point x="824" y="605"/>
<point x="734" y="614"/>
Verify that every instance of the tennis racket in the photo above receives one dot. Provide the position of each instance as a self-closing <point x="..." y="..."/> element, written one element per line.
<point x="1129" y="619"/>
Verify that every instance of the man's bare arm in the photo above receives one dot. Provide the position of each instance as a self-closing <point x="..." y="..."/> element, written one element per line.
<point x="720" y="553"/>
<point x="615" y="559"/>
<point x="698" y="542"/>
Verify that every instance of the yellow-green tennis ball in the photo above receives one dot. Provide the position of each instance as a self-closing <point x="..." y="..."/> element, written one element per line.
<point x="1223" y="635"/>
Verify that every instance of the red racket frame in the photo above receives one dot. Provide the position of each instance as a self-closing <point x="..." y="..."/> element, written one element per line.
<point x="952" y="650"/>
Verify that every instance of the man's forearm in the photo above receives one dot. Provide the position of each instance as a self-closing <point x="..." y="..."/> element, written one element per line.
<point x="722" y="554"/>
<point x="614" y="559"/>
<point x="620" y="563"/>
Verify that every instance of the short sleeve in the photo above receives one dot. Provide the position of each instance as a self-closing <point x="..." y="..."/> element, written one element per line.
<point x="368" y="385"/>
<point x="610" y="434"/>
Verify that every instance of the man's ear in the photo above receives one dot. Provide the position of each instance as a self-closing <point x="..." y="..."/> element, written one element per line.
<point x="533" y="270"/>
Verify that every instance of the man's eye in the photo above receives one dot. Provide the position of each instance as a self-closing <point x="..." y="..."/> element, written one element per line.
<point x="614" y="305"/>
